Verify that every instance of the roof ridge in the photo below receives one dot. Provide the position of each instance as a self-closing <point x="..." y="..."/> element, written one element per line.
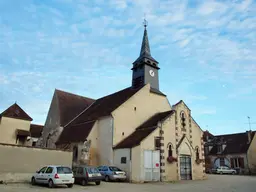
<point x="58" y="90"/>
<point x="239" y="133"/>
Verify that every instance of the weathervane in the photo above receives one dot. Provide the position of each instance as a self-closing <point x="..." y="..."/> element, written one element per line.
<point x="145" y="22"/>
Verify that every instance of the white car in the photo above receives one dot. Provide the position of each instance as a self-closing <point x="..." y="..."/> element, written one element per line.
<point x="54" y="175"/>
<point x="225" y="170"/>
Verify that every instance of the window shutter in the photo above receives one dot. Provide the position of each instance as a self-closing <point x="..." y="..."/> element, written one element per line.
<point x="232" y="162"/>
<point x="241" y="162"/>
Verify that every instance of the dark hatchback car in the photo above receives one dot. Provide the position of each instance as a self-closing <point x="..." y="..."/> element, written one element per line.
<point x="85" y="174"/>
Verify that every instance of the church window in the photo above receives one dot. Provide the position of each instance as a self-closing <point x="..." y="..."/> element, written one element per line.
<point x="157" y="143"/>
<point x="123" y="133"/>
<point x="134" y="108"/>
<point x="170" y="151"/>
<point x="197" y="152"/>
<point x="123" y="160"/>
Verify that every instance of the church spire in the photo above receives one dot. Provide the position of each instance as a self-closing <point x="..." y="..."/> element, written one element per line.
<point x="145" y="49"/>
<point x="145" y="68"/>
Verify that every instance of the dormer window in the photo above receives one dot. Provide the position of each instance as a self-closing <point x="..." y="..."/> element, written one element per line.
<point x="219" y="148"/>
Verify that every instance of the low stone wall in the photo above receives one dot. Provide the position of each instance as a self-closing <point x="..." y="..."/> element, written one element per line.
<point x="18" y="163"/>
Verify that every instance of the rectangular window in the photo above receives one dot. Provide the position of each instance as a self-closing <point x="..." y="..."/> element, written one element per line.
<point x="123" y="160"/>
<point x="219" y="148"/>
<point x="157" y="143"/>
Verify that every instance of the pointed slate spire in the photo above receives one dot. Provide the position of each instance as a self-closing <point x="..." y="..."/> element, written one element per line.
<point x="145" y="49"/>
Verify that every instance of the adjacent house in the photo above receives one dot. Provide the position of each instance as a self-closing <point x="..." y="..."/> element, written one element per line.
<point x="237" y="151"/>
<point x="16" y="127"/>
<point x="135" y="128"/>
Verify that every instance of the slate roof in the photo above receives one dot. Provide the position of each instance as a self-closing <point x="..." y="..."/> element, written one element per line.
<point x="15" y="111"/>
<point x="71" y="105"/>
<point x="101" y="107"/>
<point x="145" y="49"/>
<point x="36" y="130"/>
<point x="236" y="143"/>
<point x="143" y="130"/>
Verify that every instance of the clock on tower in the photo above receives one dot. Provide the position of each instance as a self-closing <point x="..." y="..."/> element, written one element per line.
<point x="145" y="68"/>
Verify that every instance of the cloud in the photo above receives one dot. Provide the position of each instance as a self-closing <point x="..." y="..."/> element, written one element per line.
<point x="88" y="47"/>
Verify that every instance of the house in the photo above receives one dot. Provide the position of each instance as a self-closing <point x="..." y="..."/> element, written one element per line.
<point x="236" y="150"/>
<point x="135" y="128"/>
<point x="16" y="127"/>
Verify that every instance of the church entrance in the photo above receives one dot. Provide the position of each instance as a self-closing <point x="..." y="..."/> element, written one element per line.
<point x="185" y="167"/>
<point x="151" y="165"/>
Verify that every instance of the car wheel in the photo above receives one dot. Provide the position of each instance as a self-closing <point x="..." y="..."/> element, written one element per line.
<point x="50" y="184"/>
<point x="70" y="185"/>
<point x="107" y="179"/>
<point x="221" y="173"/>
<point x="97" y="182"/>
<point x="84" y="182"/>
<point x="33" y="181"/>
<point x="233" y="173"/>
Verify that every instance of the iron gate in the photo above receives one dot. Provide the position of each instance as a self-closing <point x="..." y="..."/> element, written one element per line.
<point x="185" y="168"/>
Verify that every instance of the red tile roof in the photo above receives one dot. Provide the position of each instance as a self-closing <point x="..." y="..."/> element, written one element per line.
<point x="16" y="112"/>
<point x="71" y="105"/>
<point x="36" y="130"/>
<point x="101" y="107"/>
<point x="143" y="130"/>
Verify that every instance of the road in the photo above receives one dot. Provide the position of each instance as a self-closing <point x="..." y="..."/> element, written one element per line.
<point x="227" y="183"/>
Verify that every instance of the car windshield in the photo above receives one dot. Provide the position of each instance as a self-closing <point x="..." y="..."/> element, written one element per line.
<point x="63" y="170"/>
<point x="114" y="169"/>
<point x="92" y="170"/>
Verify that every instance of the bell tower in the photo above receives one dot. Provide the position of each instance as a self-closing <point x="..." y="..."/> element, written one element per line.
<point x="145" y="68"/>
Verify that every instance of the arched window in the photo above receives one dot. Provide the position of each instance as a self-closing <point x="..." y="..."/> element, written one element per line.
<point x="197" y="152"/>
<point x="75" y="153"/>
<point x="170" y="151"/>
<point x="170" y="147"/>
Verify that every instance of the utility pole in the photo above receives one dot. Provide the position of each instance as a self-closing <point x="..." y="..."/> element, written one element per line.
<point x="249" y="120"/>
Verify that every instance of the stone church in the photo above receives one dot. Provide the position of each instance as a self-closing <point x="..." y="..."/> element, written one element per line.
<point x="135" y="128"/>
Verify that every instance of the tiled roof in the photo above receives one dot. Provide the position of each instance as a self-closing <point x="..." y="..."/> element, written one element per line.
<point x="143" y="131"/>
<point x="105" y="105"/>
<point x="15" y="111"/>
<point x="235" y="143"/>
<point x="75" y="133"/>
<point x="101" y="107"/>
<point x="71" y="105"/>
<point x="23" y="133"/>
<point x="36" y="130"/>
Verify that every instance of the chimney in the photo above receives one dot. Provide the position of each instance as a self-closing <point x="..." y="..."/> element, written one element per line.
<point x="249" y="135"/>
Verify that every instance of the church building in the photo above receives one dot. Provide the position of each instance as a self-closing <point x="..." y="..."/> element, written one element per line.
<point x="135" y="129"/>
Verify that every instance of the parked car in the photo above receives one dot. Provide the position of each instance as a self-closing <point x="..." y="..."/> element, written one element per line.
<point x="112" y="173"/>
<point x="225" y="170"/>
<point x="54" y="175"/>
<point x="85" y="174"/>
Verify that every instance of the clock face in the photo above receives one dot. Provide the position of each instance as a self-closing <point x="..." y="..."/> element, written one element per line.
<point x="151" y="73"/>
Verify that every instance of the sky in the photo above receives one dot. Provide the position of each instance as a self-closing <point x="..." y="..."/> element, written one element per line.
<point x="206" y="51"/>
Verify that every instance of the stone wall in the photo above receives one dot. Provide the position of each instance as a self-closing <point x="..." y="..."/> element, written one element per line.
<point x="18" y="163"/>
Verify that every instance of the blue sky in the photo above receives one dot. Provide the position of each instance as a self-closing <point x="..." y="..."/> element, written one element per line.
<point x="206" y="51"/>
